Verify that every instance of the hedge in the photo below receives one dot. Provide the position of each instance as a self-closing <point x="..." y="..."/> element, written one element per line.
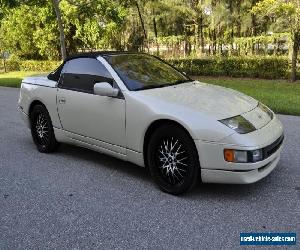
<point x="31" y="65"/>
<point x="256" y="67"/>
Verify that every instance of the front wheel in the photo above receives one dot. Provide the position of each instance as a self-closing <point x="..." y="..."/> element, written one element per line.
<point x="42" y="130"/>
<point x="173" y="159"/>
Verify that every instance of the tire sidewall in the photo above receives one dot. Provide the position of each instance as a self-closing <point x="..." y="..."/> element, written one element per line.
<point x="194" y="166"/>
<point x="52" y="143"/>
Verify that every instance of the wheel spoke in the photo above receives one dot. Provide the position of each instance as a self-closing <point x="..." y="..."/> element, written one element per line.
<point x="173" y="168"/>
<point x="184" y="158"/>
<point x="180" y="169"/>
<point x="42" y="129"/>
<point x="181" y="163"/>
<point x="176" y="176"/>
<point x="174" y="145"/>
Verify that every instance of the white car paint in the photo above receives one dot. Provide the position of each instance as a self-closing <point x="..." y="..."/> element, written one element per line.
<point x="118" y="126"/>
<point x="98" y="117"/>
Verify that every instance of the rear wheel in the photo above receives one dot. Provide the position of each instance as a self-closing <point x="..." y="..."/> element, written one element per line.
<point x="173" y="159"/>
<point x="42" y="130"/>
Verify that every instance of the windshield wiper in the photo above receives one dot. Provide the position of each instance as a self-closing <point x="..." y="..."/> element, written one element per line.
<point x="151" y="86"/>
<point x="181" y="81"/>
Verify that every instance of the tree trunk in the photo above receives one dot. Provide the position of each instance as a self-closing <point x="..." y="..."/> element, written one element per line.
<point x="253" y="20"/>
<point x="253" y="27"/>
<point x="239" y="21"/>
<point x="295" y="39"/>
<point x="200" y="27"/>
<point x="142" y="22"/>
<point x="155" y="32"/>
<point x="214" y="42"/>
<point x="61" y="29"/>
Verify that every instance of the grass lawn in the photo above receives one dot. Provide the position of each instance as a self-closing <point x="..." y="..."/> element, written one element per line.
<point x="280" y="95"/>
<point x="13" y="79"/>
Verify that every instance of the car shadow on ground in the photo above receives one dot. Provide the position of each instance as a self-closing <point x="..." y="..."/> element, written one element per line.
<point x="103" y="160"/>
<point x="227" y="191"/>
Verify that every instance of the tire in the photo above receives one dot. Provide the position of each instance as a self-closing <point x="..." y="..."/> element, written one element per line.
<point x="42" y="130"/>
<point x="172" y="159"/>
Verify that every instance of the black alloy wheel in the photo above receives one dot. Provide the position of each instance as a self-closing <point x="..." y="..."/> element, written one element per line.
<point x="173" y="159"/>
<point x="42" y="130"/>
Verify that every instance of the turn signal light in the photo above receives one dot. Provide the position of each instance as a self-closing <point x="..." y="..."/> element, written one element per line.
<point x="229" y="155"/>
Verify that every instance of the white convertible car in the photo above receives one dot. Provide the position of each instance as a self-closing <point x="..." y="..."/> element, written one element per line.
<point x="140" y="109"/>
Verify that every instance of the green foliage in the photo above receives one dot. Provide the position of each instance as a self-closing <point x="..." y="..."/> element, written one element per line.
<point x="12" y="65"/>
<point x="182" y="28"/>
<point x="31" y="65"/>
<point x="287" y="11"/>
<point x="95" y="25"/>
<point x="286" y="15"/>
<point x="260" y="67"/>
<point x="171" y="16"/>
<point x="29" y="32"/>
<point x="166" y="40"/>
<point x="248" y="44"/>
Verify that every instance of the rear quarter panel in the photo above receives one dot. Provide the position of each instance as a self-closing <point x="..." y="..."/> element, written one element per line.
<point x="32" y="91"/>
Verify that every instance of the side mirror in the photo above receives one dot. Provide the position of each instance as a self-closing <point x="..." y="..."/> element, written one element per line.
<point x="105" y="89"/>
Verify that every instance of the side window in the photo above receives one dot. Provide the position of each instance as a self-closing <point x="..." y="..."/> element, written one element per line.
<point x="81" y="74"/>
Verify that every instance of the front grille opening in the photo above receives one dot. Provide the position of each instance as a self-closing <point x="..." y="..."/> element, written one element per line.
<point x="271" y="149"/>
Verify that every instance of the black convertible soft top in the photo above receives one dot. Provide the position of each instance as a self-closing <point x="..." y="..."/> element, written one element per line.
<point x="54" y="76"/>
<point x="95" y="54"/>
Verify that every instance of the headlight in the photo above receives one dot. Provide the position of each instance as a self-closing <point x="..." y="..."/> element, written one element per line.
<point x="241" y="156"/>
<point x="266" y="109"/>
<point x="239" y="124"/>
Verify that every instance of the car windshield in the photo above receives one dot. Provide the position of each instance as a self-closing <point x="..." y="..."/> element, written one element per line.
<point x="142" y="71"/>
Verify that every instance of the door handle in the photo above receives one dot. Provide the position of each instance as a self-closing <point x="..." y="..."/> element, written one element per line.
<point x="62" y="100"/>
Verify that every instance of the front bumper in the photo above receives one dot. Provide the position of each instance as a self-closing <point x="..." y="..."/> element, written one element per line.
<point x="214" y="169"/>
<point x="240" y="177"/>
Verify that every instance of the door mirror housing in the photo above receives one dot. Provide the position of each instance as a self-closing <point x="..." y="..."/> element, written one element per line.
<point x="105" y="89"/>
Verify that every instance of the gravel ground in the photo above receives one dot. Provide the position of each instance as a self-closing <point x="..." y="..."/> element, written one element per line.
<point x="79" y="199"/>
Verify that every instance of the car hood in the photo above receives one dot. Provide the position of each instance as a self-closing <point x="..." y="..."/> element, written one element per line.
<point x="215" y="101"/>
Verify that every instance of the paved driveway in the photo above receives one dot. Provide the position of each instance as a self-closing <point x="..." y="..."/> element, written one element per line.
<point x="77" y="198"/>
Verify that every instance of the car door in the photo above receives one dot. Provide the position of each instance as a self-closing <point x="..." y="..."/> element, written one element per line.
<point x="89" y="118"/>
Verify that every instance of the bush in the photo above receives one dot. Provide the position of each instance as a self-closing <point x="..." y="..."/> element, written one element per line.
<point x="31" y="65"/>
<point x="255" y="67"/>
<point x="39" y="65"/>
<point x="12" y="65"/>
<point x="260" y="67"/>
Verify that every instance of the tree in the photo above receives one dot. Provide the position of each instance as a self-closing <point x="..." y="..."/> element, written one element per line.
<point x="53" y="29"/>
<point x="94" y="24"/>
<point x="35" y="30"/>
<point x="61" y="29"/>
<point x="286" y="14"/>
